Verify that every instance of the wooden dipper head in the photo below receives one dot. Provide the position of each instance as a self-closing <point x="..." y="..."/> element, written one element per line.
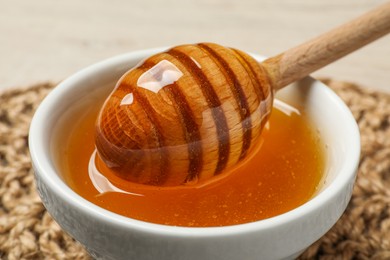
<point x="192" y="112"/>
<point x="184" y="115"/>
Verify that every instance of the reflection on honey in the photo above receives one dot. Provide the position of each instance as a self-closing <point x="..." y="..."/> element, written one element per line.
<point x="283" y="173"/>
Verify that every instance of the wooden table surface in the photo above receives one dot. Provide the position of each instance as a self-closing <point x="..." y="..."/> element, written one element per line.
<point x="44" y="40"/>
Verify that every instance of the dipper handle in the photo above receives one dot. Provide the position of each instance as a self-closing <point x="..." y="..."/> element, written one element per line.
<point x="300" y="61"/>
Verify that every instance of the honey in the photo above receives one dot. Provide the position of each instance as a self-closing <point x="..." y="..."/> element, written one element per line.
<point x="284" y="172"/>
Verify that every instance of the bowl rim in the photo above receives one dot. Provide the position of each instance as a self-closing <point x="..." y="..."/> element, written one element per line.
<point x="47" y="173"/>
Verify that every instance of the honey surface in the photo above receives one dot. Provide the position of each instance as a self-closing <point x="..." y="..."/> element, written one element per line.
<point x="283" y="173"/>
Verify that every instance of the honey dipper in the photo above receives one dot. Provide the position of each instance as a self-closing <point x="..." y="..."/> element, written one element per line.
<point x="192" y="112"/>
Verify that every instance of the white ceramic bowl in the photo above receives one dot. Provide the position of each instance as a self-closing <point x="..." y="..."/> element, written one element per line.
<point x="108" y="235"/>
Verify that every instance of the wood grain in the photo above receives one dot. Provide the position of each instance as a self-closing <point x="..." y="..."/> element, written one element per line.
<point x="47" y="41"/>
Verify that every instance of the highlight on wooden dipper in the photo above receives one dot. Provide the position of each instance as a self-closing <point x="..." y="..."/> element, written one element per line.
<point x="192" y="112"/>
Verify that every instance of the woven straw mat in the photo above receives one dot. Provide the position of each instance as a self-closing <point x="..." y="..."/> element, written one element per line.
<point x="28" y="232"/>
